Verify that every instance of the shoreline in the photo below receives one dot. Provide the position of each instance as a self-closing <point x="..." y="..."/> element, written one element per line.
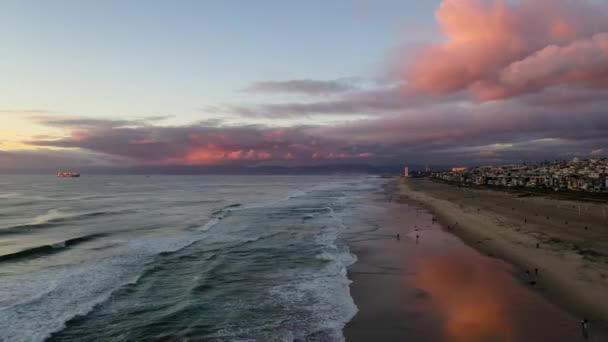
<point x="377" y="279"/>
<point x="573" y="270"/>
<point x="429" y="285"/>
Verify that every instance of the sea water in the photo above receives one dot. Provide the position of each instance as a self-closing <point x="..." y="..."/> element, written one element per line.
<point x="214" y="258"/>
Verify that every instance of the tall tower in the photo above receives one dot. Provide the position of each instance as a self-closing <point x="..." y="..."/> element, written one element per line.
<point x="406" y="171"/>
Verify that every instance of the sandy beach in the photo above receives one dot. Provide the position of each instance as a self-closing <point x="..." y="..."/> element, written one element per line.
<point x="432" y="286"/>
<point x="567" y="241"/>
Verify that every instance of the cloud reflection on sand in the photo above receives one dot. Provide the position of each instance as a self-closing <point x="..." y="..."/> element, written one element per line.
<point x="473" y="296"/>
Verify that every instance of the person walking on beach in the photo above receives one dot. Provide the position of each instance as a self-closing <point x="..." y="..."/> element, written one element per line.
<point x="584" y="328"/>
<point x="398" y="237"/>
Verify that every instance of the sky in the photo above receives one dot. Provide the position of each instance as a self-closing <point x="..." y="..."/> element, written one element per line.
<point x="301" y="83"/>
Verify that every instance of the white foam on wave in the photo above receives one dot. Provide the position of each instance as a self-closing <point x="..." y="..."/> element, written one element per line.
<point x="294" y="194"/>
<point x="273" y="201"/>
<point x="37" y="304"/>
<point x="326" y="256"/>
<point x="51" y="214"/>
<point x="51" y="297"/>
<point x="54" y="296"/>
<point x="34" y="305"/>
<point x="318" y="301"/>
<point x="326" y="297"/>
<point x="10" y="194"/>
<point x="291" y="195"/>
<point x="344" y="257"/>
<point x="327" y="291"/>
<point x="210" y="224"/>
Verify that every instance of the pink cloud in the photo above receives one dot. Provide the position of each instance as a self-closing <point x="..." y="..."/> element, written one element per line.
<point x="214" y="154"/>
<point x="582" y="60"/>
<point x="487" y="154"/>
<point x="498" y="49"/>
<point x="263" y="155"/>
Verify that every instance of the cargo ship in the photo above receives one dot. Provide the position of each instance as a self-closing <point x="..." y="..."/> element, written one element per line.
<point x="68" y="175"/>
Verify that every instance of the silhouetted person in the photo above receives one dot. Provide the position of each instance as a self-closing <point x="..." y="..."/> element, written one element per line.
<point x="537" y="245"/>
<point x="417" y="236"/>
<point x="536" y="271"/>
<point x="585" y="328"/>
<point x="398" y="237"/>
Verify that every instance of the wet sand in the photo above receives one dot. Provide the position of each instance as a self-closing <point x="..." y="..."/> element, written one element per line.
<point x="567" y="241"/>
<point x="436" y="288"/>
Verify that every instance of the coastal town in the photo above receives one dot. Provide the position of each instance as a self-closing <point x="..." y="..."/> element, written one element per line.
<point x="589" y="175"/>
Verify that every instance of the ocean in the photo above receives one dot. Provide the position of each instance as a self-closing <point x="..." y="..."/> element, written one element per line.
<point x="196" y="258"/>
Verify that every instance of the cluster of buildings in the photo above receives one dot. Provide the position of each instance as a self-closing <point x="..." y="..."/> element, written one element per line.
<point x="576" y="175"/>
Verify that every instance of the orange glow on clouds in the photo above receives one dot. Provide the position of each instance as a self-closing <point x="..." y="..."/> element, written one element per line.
<point x="214" y="154"/>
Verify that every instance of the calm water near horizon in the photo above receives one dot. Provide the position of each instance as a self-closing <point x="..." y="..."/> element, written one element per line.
<point x="222" y="258"/>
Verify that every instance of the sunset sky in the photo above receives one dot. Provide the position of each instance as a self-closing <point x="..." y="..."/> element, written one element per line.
<point x="298" y="83"/>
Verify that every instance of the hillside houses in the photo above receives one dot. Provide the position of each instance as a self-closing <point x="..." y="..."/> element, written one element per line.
<point x="576" y="175"/>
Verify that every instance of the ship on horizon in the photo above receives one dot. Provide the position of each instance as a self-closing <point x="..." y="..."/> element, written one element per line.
<point x="68" y="174"/>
